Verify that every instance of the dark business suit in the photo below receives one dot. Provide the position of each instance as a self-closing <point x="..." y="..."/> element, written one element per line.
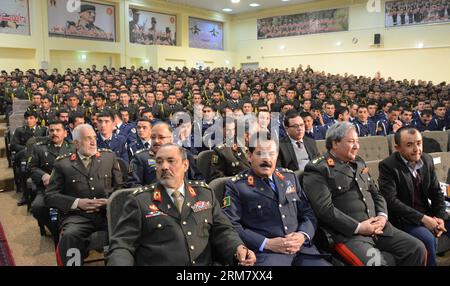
<point x="287" y="158"/>
<point x="397" y="186"/>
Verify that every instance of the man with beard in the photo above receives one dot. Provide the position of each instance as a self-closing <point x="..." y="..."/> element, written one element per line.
<point x="175" y="222"/>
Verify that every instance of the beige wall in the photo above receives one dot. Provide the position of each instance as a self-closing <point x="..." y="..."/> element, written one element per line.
<point x="398" y="56"/>
<point x="64" y="53"/>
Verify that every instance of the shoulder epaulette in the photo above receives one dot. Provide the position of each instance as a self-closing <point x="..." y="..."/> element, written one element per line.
<point x="220" y="146"/>
<point x="239" y="177"/>
<point x="144" y="189"/>
<point x="104" y="150"/>
<point x="140" y="151"/>
<point x="285" y="170"/>
<point x="198" y="184"/>
<point x="40" y="143"/>
<point x="318" y="160"/>
<point x="63" y="156"/>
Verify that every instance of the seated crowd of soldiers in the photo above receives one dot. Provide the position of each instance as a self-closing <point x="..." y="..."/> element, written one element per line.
<point x="135" y="112"/>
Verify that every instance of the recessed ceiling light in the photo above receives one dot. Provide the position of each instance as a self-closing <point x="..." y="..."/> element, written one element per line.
<point x="282" y="47"/>
<point x="235" y="1"/>
<point x="339" y="43"/>
<point x="254" y="5"/>
<point x="420" y="45"/>
<point x="284" y="0"/>
<point x="227" y="9"/>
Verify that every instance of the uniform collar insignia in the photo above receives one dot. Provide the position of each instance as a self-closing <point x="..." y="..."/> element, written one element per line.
<point x="279" y="175"/>
<point x="97" y="155"/>
<point x="192" y="192"/>
<point x="73" y="157"/>
<point x="250" y="181"/>
<point x="157" y="195"/>
<point x="365" y="170"/>
<point x="234" y="147"/>
<point x="330" y="162"/>
<point x="153" y="208"/>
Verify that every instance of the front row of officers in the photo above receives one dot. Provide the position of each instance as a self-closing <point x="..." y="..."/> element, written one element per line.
<point x="267" y="216"/>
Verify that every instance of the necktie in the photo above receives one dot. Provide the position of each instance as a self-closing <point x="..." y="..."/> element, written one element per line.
<point x="86" y="162"/>
<point x="107" y="141"/>
<point x="271" y="184"/>
<point x="146" y="145"/>
<point x="178" y="200"/>
<point x="417" y="179"/>
<point x="299" y="144"/>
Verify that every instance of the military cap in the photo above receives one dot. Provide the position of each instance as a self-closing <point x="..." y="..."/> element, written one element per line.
<point x="86" y="7"/>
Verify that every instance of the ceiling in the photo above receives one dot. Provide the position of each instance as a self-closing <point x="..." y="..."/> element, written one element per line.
<point x="237" y="8"/>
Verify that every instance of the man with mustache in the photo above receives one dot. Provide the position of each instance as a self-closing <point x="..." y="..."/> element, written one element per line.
<point x="79" y="186"/>
<point x="175" y="222"/>
<point x="270" y="211"/>
<point x="349" y="205"/>
<point x="142" y="172"/>
<point x="408" y="182"/>
<point x="40" y="162"/>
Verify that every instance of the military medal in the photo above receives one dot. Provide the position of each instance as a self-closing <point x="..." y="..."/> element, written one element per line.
<point x="279" y="175"/>
<point x="157" y="195"/>
<point x="250" y="181"/>
<point x="201" y="206"/>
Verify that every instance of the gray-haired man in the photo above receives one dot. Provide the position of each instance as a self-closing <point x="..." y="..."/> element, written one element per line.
<point x="348" y="203"/>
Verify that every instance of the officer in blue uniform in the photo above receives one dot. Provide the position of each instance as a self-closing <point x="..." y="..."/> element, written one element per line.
<point x="142" y="168"/>
<point x="144" y="132"/>
<point x="425" y="122"/>
<point x="106" y="139"/>
<point x="391" y="124"/>
<point x="271" y="213"/>
<point x="126" y="129"/>
<point x="364" y="126"/>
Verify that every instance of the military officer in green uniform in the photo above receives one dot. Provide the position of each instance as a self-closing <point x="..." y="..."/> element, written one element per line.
<point x="19" y="146"/>
<point x="87" y="19"/>
<point x="175" y="222"/>
<point x="348" y="204"/>
<point x="79" y="186"/>
<point x="228" y="159"/>
<point x="40" y="163"/>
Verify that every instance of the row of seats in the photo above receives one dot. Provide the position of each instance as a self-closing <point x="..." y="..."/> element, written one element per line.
<point x="379" y="147"/>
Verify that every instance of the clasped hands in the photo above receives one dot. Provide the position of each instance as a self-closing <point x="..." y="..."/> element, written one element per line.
<point x="372" y="226"/>
<point x="289" y="244"/>
<point x="92" y="205"/>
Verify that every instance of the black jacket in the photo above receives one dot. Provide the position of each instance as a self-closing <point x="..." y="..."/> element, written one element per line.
<point x="287" y="158"/>
<point x="397" y="187"/>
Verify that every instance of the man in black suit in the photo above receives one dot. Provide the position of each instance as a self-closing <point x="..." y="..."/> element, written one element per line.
<point x="296" y="150"/>
<point x="408" y="181"/>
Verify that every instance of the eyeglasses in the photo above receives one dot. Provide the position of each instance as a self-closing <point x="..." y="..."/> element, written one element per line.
<point x="296" y="126"/>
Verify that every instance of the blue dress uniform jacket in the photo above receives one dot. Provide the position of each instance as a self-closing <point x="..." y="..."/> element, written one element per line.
<point x="128" y="130"/>
<point x="142" y="169"/>
<point x="134" y="147"/>
<point x="384" y="127"/>
<point x="257" y="212"/>
<point x="365" y="130"/>
<point x="118" y="145"/>
<point x="151" y="231"/>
